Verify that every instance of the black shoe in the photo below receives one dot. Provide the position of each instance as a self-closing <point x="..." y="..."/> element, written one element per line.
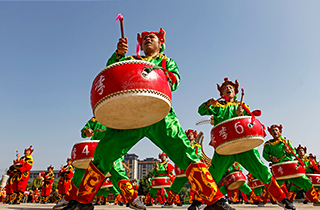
<point x="179" y="204"/>
<point x="121" y="204"/>
<point x="148" y="204"/>
<point x="305" y="202"/>
<point x="195" y="205"/>
<point x="75" y="205"/>
<point x="219" y="205"/>
<point x="286" y="204"/>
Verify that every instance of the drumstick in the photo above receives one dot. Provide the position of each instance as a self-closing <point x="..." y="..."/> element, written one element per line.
<point x="300" y="161"/>
<point x="120" y="18"/>
<point x="242" y="94"/>
<point x="99" y="130"/>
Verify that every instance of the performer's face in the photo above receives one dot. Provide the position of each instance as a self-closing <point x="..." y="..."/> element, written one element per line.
<point x="163" y="158"/>
<point x="191" y="136"/>
<point x="151" y="43"/>
<point x="275" y="132"/>
<point x="228" y="90"/>
<point x="69" y="162"/>
<point x="27" y="153"/>
<point x="301" y="152"/>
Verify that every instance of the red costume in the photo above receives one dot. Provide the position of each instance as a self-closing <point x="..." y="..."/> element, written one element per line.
<point x="65" y="174"/>
<point x="48" y="178"/>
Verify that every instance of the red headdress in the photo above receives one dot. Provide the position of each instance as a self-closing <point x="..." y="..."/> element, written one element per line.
<point x="29" y="149"/>
<point x="69" y="159"/>
<point x="159" y="34"/>
<point x="192" y="131"/>
<point x="275" y="126"/>
<point x="300" y="147"/>
<point x="235" y="85"/>
<point x="161" y="154"/>
<point x="50" y="167"/>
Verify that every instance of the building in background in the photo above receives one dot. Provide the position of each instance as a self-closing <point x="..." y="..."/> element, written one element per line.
<point x="138" y="168"/>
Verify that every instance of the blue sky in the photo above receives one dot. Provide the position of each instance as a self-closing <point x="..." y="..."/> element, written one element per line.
<point x="50" y="52"/>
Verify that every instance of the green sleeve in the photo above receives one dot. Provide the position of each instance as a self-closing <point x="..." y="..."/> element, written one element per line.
<point x="266" y="153"/>
<point x="205" y="111"/>
<point x="113" y="59"/>
<point x="172" y="66"/>
<point x="88" y="125"/>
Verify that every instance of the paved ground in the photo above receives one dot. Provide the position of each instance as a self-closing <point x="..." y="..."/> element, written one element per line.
<point x="31" y="206"/>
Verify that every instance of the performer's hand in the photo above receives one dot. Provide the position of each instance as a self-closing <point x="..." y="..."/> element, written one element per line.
<point x="240" y="111"/>
<point x="122" y="46"/>
<point x="275" y="159"/>
<point x="89" y="132"/>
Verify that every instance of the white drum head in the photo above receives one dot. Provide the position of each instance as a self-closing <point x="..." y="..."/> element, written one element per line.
<point x="240" y="145"/>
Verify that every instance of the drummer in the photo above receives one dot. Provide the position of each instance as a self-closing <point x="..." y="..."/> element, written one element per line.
<point x="167" y="134"/>
<point x="22" y="175"/>
<point x="277" y="151"/>
<point x="48" y="179"/>
<point x="236" y="167"/>
<point x="161" y="169"/>
<point x="226" y="109"/>
<point x="65" y="174"/>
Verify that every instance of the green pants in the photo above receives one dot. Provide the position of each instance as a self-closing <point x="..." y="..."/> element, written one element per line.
<point x="167" y="134"/>
<point x="302" y="182"/>
<point x="178" y="184"/>
<point x="117" y="173"/>
<point x="243" y="188"/>
<point x="258" y="190"/>
<point x="153" y="192"/>
<point x="294" y="188"/>
<point x="250" y="160"/>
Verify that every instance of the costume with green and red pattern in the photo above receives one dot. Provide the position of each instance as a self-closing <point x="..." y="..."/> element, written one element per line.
<point x="167" y="134"/>
<point x="243" y="188"/>
<point x="250" y="160"/>
<point x="276" y="148"/>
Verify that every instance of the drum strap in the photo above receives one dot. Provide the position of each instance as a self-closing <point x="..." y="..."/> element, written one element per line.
<point x="169" y="74"/>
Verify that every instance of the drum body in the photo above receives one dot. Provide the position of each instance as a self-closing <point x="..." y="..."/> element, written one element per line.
<point x="125" y="96"/>
<point x="3" y="181"/>
<point x="107" y="184"/>
<point x="234" y="180"/>
<point x="314" y="179"/>
<point x="256" y="183"/>
<point x="160" y="182"/>
<point x="82" y="153"/>
<point x="237" y="135"/>
<point x="287" y="170"/>
<point x="179" y="172"/>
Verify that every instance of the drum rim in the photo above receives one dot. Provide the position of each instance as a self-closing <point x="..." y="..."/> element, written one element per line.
<point x="132" y="91"/>
<point x="82" y="160"/>
<point x="308" y="174"/>
<point x="181" y="175"/>
<point x="166" y="177"/>
<point x="233" y="119"/>
<point x="236" y="183"/>
<point x="290" y="176"/>
<point x="123" y="63"/>
<point x="244" y="137"/>
<point x="235" y="172"/>
<point x="285" y="163"/>
<point x="87" y="141"/>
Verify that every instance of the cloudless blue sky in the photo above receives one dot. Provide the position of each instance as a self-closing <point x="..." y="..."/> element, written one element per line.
<point x="50" y="52"/>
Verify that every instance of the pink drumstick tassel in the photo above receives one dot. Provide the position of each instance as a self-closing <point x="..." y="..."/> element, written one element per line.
<point x="120" y="18"/>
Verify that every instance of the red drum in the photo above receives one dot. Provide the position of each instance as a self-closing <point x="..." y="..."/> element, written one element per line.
<point x="179" y="172"/>
<point x="234" y="180"/>
<point x="125" y="96"/>
<point x="82" y="153"/>
<point x="314" y="179"/>
<point x="107" y="184"/>
<point x="256" y="183"/>
<point x="237" y="135"/>
<point x="287" y="170"/>
<point x="160" y="182"/>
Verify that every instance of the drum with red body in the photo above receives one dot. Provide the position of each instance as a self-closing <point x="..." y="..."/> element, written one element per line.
<point x="234" y="180"/>
<point x="237" y="135"/>
<point x="160" y="182"/>
<point x="179" y="172"/>
<point x="314" y="179"/>
<point x="106" y="184"/>
<point x="287" y="170"/>
<point x="82" y="153"/>
<point x="256" y="183"/>
<point x="125" y="96"/>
